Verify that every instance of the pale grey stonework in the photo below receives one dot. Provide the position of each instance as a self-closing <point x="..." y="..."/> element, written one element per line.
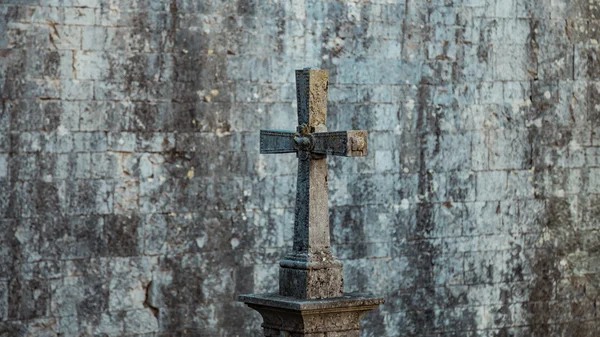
<point x="134" y="200"/>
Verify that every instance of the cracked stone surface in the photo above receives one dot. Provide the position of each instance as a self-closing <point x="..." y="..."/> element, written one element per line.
<point x="134" y="201"/>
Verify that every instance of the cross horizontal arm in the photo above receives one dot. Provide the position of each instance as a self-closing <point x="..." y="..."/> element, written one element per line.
<point x="341" y="143"/>
<point x="277" y="141"/>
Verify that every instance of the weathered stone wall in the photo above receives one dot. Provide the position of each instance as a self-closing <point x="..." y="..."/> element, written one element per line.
<point x="133" y="200"/>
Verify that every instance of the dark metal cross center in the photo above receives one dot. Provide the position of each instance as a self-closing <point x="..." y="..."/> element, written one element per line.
<point x="312" y="143"/>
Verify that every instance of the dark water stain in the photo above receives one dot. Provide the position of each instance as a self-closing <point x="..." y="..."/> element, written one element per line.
<point x="557" y="253"/>
<point x="547" y="274"/>
<point x="121" y="233"/>
<point x="280" y="33"/>
<point x="364" y="26"/>
<point x="172" y="31"/>
<point x="348" y="229"/>
<point x="533" y="46"/>
<point x="354" y="37"/>
<point x="485" y="37"/>
<point x="459" y="65"/>
<point x="246" y="7"/>
<point x="422" y="322"/>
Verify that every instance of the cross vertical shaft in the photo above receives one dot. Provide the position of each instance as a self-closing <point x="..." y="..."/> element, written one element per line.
<point x="311" y="225"/>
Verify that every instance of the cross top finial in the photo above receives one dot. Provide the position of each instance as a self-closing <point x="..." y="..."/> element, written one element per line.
<point x="311" y="270"/>
<point x="311" y="95"/>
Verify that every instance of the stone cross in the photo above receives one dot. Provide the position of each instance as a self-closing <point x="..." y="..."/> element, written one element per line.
<point x="311" y="300"/>
<point x="310" y="270"/>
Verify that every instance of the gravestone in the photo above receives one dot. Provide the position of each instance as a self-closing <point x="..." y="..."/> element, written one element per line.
<point x="311" y="300"/>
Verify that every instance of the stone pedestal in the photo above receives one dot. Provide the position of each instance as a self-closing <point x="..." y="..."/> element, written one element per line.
<point x="329" y="317"/>
<point x="311" y="276"/>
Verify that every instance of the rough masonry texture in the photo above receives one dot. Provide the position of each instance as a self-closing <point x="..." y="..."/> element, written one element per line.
<point x="134" y="202"/>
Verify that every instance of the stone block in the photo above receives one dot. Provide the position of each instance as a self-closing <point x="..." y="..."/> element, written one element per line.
<point x="121" y="141"/>
<point x="4" y="118"/>
<point x="505" y="9"/>
<point x="106" y="323"/>
<point x="482" y="218"/>
<point x="90" y="141"/>
<point x="510" y="149"/>
<point x="25" y="115"/>
<point x="155" y="142"/>
<point x="81" y="165"/>
<point x="513" y="63"/>
<point x="54" y="64"/>
<point x="23" y="166"/>
<point x="69" y="117"/>
<point x="93" y="38"/>
<point x="66" y="37"/>
<point x="448" y="152"/>
<point x="155" y="233"/>
<point x="451" y="214"/>
<point x="28" y="299"/>
<point x="555" y="62"/>
<point x="5" y="142"/>
<point x="491" y="185"/>
<point x="3" y="165"/>
<point x="126" y="294"/>
<point x="448" y="269"/>
<point x="91" y="65"/>
<point x="594" y="184"/>
<point x="80" y="16"/>
<point x="49" y="269"/>
<point x="532" y="216"/>
<point x="4" y="301"/>
<point x="126" y="196"/>
<point x="585" y="62"/>
<point x="85" y="239"/>
<point x="123" y="234"/>
<point x="311" y="284"/>
<point x="68" y="325"/>
<point x="77" y="89"/>
<point x="341" y="94"/>
<point x="592" y="156"/>
<point x="78" y="296"/>
<point x="94" y="117"/>
<point x="265" y="278"/>
<point x="92" y="197"/>
<point x="111" y="89"/>
<point x="140" y="321"/>
<point x="384" y="117"/>
<point x="520" y="184"/>
<point x="460" y="186"/>
<point x="105" y="165"/>
<point x="376" y="224"/>
<point x="484" y="267"/>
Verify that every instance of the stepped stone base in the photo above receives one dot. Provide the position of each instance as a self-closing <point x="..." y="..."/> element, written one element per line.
<point x="330" y="317"/>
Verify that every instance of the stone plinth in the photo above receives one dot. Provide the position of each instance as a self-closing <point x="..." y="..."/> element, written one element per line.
<point x="329" y="317"/>
<point x="311" y="276"/>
